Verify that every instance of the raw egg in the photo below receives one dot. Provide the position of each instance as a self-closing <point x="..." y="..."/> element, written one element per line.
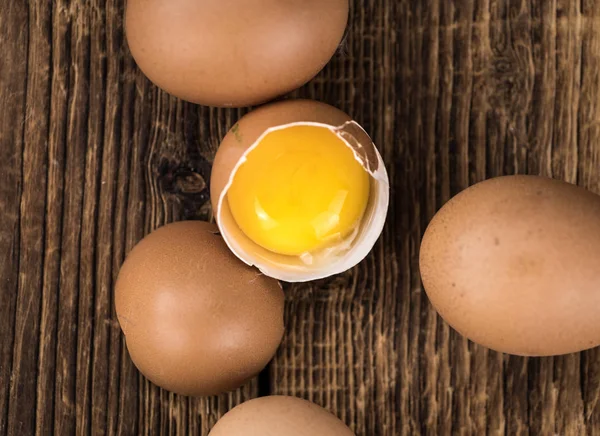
<point x="513" y="263"/>
<point x="299" y="190"/>
<point x="278" y="416"/>
<point x="233" y="53"/>
<point x="197" y="321"/>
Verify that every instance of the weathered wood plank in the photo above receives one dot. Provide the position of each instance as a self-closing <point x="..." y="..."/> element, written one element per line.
<point x="59" y="60"/>
<point x="108" y="24"/>
<point x="67" y="379"/>
<point x="21" y="412"/>
<point x="14" y="37"/>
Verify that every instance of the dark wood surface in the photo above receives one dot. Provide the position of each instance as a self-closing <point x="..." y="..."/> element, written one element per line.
<point x="93" y="156"/>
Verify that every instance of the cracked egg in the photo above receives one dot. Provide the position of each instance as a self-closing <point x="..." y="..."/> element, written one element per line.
<point x="299" y="190"/>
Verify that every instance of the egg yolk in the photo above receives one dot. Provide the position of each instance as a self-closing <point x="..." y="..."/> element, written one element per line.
<point x="300" y="190"/>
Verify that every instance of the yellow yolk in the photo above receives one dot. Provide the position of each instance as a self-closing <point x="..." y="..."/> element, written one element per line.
<point x="300" y="190"/>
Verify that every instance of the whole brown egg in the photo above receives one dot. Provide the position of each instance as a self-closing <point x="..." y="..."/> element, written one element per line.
<point x="197" y="321"/>
<point x="233" y="53"/>
<point x="279" y="416"/>
<point x="513" y="263"/>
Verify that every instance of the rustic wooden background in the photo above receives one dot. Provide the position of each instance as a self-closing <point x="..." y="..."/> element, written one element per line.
<point x="93" y="156"/>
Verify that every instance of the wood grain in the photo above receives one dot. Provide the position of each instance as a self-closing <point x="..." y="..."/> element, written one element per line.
<point x="93" y="157"/>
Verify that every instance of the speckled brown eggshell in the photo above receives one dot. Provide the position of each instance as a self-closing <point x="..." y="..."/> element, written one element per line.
<point x="236" y="52"/>
<point x="513" y="263"/>
<point x="197" y="321"/>
<point x="278" y="416"/>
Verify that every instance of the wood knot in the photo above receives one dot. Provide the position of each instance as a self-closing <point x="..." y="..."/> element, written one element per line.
<point x="188" y="183"/>
<point x="182" y="181"/>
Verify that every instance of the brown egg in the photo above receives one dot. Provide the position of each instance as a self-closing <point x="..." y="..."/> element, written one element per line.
<point x="233" y="53"/>
<point x="513" y="264"/>
<point x="197" y="321"/>
<point x="278" y="416"/>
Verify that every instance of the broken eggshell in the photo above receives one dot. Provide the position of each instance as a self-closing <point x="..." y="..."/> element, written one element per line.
<point x="248" y="134"/>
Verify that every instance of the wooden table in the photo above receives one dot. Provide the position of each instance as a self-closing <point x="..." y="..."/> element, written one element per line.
<point x="93" y="156"/>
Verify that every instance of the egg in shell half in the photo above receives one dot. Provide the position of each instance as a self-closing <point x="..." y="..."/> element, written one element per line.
<point x="299" y="190"/>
